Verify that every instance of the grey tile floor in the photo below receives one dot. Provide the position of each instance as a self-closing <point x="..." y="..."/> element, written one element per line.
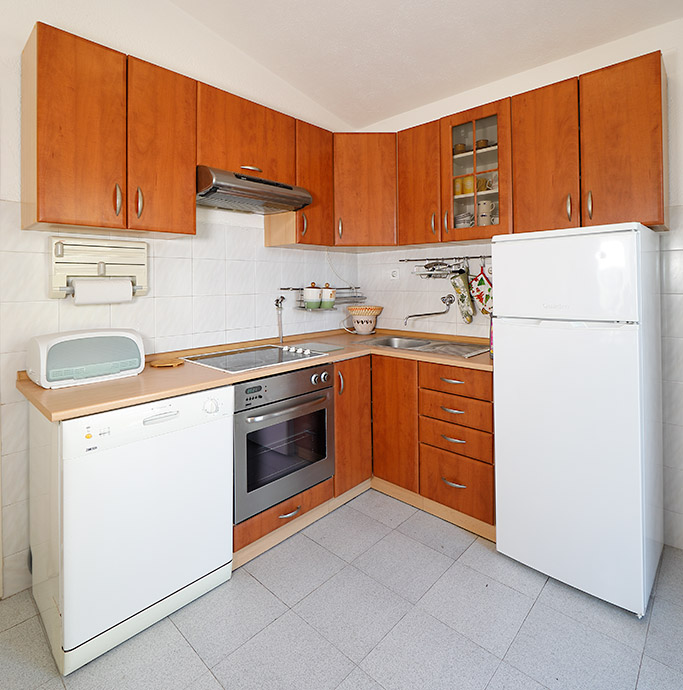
<point x="378" y="595"/>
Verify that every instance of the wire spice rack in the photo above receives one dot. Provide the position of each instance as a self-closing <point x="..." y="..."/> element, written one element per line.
<point x="345" y="295"/>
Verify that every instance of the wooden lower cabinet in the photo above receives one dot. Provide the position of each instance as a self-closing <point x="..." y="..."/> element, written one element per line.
<point x="473" y="480"/>
<point x="352" y="424"/>
<point x="269" y="520"/>
<point x="394" y="421"/>
<point x="457" y="439"/>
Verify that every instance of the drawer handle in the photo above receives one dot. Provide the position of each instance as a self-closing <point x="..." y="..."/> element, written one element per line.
<point x="289" y="515"/>
<point x="451" y="380"/>
<point x="448" y="409"/>
<point x="455" y="486"/>
<point x="452" y="440"/>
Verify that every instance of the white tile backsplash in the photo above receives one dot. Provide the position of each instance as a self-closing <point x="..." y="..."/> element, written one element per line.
<point x="172" y="277"/>
<point x="208" y="277"/>
<point x="20" y="321"/>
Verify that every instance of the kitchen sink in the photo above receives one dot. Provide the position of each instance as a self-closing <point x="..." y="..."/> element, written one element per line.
<point x="397" y="342"/>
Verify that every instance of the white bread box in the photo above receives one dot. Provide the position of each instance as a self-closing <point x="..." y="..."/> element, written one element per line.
<point x="73" y="358"/>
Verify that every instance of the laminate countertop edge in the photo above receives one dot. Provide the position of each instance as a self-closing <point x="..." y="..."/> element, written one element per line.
<point x="157" y="383"/>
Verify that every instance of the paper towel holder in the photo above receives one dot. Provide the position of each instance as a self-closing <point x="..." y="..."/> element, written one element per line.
<point x="79" y="257"/>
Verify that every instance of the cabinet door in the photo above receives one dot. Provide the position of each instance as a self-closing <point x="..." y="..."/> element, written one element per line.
<point x="419" y="189"/>
<point x="162" y="111"/>
<point x="314" y="172"/>
<point x="352" y="424"/>
<point x="74" y="104"/>
<point x="476" y="195"/>
<point x="622" y="159"/>
<point x="242" y="136"/>
<point x="365" y="189"/>
<point x="545" y="157"/>
<point x="394" y="421"/>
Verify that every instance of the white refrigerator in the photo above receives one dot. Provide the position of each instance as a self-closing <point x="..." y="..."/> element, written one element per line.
<point x="577" y="407"/>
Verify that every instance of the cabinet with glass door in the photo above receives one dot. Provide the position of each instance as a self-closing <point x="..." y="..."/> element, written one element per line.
<point x="476" y="173"/>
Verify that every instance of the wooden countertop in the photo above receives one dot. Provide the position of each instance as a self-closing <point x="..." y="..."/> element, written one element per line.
<point x="158" y="383"/>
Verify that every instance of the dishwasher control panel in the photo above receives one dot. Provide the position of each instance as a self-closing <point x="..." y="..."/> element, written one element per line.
<point x="106" y="430"/>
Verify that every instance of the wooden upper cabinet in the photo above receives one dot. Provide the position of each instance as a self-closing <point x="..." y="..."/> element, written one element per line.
<point x="315" y="172"/>
<point x="241" y="136"/>
<point x="622" y="143"/>
<point x="352" y="423"/>
<point x="419" y="190"/>
<point x="365" y="189"/>
<point x="162" y="107"/>
<point x="476" y="175"/>
<point x="73" y="131"/>
<point x="545" y="157"/>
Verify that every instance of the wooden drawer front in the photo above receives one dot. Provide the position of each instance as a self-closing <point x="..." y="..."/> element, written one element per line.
<point x="474" y="493"/>
<point x="477" y="444"/>
<point x="456" y="409"/>
<point x="471" y="383"/>
<point x="269" y="520"/>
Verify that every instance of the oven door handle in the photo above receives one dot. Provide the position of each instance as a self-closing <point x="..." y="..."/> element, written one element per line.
<point x="303" y="407"/>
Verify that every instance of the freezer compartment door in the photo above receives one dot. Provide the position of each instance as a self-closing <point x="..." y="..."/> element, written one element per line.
<point x="591" y="277"/>
<point x="568" y="454"/>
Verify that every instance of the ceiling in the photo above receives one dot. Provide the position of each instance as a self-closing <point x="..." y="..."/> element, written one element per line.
<point x="367" y="60"/>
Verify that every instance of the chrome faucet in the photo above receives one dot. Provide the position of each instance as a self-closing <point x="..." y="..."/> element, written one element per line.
<point x="278" y="307"/>
<point x="446" y="299"/>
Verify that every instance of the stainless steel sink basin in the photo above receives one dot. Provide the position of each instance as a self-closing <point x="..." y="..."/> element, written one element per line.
<point x="397" y="342"/>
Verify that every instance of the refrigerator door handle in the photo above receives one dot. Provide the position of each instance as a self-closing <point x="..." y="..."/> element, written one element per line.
<point x="568" y="323"/>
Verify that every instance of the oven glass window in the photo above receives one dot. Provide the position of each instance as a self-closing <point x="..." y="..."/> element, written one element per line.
<point x="280" y="449"/>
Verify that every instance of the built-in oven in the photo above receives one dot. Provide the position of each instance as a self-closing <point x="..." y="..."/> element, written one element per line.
<point x="284" y="437"/>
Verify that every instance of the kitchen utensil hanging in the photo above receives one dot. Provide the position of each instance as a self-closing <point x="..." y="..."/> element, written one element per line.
<point x="461" y="285"/>
<point x="481" y="290"/>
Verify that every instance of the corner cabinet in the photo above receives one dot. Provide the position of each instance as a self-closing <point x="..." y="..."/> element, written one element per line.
<point x="365" y="189"/>
<point x="245" y="137"/>
<point x="352" y="423"/>
<point x="107" y="140"/>
<point x="419" y="185"/>
<point x="476" y="194"/>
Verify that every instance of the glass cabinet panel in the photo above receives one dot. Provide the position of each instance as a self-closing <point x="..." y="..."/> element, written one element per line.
<point x="472" y="186"/>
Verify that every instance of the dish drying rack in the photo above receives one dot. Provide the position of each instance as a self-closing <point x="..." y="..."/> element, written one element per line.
<point x="444" y="267"/>
<point x="345" y="295"/>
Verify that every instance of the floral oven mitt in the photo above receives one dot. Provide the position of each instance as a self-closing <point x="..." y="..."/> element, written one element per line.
<point x="460" y="283"/>
<point x="482" y="291"/>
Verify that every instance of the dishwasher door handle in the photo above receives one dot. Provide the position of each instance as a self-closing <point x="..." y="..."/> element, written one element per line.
<point x="160" y="418"/>
<point x="303" y="407"/>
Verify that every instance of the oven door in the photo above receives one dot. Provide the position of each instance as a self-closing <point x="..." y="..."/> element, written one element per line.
<point x="282" y="449"/>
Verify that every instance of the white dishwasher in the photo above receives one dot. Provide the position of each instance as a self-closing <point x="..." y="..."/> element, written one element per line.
<point x="140" y="502"/>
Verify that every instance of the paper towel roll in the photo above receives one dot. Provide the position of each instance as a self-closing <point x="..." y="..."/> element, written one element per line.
<point x="102" y="290"/>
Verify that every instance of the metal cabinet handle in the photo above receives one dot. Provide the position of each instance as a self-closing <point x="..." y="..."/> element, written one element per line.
<point x="433" y="224"/>
<point x="445" y="221"/>
<point x="251" y="167"/>
<point x="448" y="409"/>
<point x="118" y="199"/>
<point x="141" y="202"/>
<point x="341" y="383"/>
<point x="451" y="380"/>
<point x="452" y="440"/>
<point x="303" y="231"/>
<point x="340" y="228"/>
<point x="303" y="407"/>
<point x="569" y="206"/>
<point x="289" y="515"/>
<point x="160" y="418"/>
<point x="455" y="486"/>
<point x="589" y="204"/>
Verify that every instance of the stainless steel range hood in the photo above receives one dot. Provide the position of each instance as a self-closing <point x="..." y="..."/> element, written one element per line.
<point x="238" y="192"/>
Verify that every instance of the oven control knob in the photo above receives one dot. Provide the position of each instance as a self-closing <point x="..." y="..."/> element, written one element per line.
<point x="307" y="352"/>
<point x="299" y="350"/>
<point x="324" y="377"/>
<point x="211" y="406"/>
<point x="315" y="379"/>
